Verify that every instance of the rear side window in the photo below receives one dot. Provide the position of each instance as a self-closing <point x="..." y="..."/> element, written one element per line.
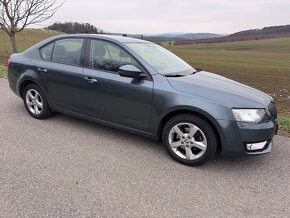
<point x="46" y="52"/>
<point x="67" y="51"/>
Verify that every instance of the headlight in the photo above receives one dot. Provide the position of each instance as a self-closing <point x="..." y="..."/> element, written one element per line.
<point x="249" y="115"/>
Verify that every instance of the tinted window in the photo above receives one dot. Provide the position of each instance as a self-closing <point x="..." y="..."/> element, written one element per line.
<point x="109" y="57"/>
<point x="46" y="52"/>
<point x="67" y="51"/>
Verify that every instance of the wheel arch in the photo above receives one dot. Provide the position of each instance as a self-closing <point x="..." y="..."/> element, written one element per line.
<point x="26" y="80"/>
<point x="216" y="127"/>
<point x="23" y="85"/>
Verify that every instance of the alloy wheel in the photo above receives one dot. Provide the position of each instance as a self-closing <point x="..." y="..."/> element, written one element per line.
<point x="34" y="101"/>
<point x="187" y="141"/>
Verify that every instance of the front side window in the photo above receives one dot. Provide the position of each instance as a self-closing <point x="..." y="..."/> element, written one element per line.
<point x="161" y="60"/>
<point x="67" y="51"/>
<point x="46" y="52"/>
<point x="108" y="57"/>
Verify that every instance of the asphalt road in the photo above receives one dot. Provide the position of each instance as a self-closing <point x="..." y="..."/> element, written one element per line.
<point x="64" y="166"/>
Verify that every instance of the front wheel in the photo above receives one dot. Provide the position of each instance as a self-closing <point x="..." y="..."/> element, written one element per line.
<point x="189" y="139"/>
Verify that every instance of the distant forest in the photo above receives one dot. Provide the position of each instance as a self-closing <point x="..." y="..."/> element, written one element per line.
<point x="265" y="30"/>
<point x="253" y="34"/>
<point x="74" y="27"/>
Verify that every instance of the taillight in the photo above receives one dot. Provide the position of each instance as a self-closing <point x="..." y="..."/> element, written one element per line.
<point x="8" y="62"/>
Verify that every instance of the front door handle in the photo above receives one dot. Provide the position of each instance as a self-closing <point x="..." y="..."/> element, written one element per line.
<point x="42" y="70"/>
<point x="90" y="79"/>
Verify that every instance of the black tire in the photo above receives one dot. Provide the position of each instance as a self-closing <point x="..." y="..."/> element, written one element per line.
<point x="45" y="111"/>
<point x="206" y="130"/>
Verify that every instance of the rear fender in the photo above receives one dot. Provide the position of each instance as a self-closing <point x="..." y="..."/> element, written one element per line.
<point x="30" y="76"/>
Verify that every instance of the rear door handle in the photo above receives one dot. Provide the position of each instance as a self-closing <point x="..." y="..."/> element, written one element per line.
<point x="42" y="70"/>
<point x="90" y="79"/>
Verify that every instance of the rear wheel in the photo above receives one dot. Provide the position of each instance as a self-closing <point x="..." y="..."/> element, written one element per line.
<point x="35" y="102"/>
<point x="189" y="139"/>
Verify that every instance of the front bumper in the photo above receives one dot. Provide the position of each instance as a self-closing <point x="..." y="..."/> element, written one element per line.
<point x="238" y="138"/>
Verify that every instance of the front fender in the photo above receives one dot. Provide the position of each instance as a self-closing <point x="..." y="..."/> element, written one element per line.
<point x="168" y="102"/>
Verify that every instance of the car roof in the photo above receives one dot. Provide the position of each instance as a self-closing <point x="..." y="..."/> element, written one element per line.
<point x="112" y="38"/>
<point x="122" y="39"/>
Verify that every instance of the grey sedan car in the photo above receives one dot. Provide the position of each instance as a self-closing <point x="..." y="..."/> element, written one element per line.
<point x="142" y="88"/>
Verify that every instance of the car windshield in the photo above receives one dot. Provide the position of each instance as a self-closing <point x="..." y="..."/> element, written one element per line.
<point x="161" y="60"/>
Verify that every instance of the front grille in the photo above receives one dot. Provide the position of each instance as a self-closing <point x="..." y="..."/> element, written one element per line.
<point x="273" y="109"/>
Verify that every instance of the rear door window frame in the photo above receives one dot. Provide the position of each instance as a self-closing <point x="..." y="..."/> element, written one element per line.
<point x="82" y="56"/>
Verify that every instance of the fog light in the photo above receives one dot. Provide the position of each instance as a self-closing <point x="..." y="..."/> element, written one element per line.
<point x="256" y="146"/>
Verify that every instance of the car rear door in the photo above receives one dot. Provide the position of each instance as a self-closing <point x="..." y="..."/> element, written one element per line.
<point x="61" y="72"/>
<point x="109" y="96"/>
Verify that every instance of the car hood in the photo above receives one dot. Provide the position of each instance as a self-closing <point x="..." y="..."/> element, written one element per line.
<point x="221" y="89"/>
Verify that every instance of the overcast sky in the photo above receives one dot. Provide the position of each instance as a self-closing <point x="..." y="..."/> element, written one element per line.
<point x="159" y="16"/>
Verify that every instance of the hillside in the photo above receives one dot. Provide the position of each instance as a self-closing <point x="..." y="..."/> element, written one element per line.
<point x="247" y="35"/>
<point x="263" y="64"/>
<point x="171" y="36"/>
<point x="180" y="36"/>
<point x="264" y="31"/>
<point x="24" y="40"/>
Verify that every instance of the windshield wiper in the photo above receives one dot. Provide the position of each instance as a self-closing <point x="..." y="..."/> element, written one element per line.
<point x="195" y="70"/>
<point x="174" y="75"/>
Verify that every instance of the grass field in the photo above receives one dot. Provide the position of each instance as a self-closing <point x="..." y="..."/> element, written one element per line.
<point x="284" y="125"/>
<point x="24" y="40"/>
<point x="3" y="71"/>
<point x="263" y="64"/>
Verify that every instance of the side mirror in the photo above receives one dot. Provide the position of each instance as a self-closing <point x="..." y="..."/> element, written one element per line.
<point x="131" y="72"/>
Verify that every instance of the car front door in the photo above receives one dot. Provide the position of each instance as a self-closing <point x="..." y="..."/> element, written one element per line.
<point x="113" y="98"/>
<point x="61" y="72"/>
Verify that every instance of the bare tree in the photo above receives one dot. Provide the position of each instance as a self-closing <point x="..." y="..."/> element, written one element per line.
<point x="16" y="15"/>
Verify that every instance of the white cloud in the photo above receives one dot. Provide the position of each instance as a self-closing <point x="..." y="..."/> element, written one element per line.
<point x="155" y="16"/>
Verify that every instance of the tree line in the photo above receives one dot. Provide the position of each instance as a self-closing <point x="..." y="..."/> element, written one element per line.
<point x="75" y="27"/>
<point x="265" y="30"/>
